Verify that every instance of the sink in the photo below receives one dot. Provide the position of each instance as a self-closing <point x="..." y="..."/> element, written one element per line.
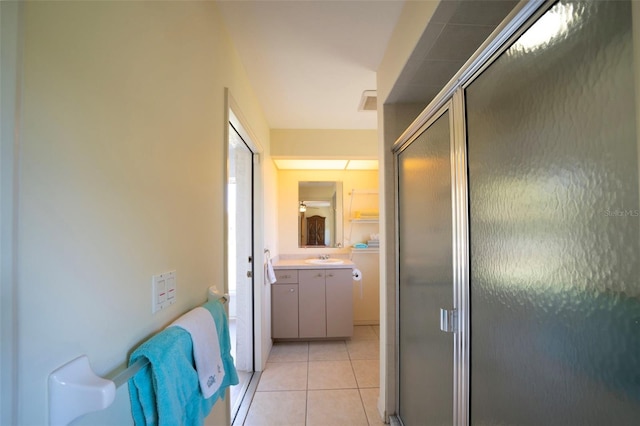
<point x="325" y="261"/>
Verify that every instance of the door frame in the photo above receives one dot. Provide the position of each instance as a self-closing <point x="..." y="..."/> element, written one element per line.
<point x="233" y="115"/>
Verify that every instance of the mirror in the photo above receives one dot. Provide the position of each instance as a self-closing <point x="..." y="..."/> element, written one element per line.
<point x="319" y="214"/>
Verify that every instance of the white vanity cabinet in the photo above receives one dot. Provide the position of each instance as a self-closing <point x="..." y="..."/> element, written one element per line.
<point x="339" y="299"/>
<point x="284" y="305"/>
<point x="318" y="305"/>
<point x="312" y="319"/>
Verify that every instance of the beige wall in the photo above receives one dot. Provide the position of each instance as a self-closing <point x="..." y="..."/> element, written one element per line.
<point x="121" y="176"/>
<point x="324" y="143"/>
<point x="366" y="293"/>
<point x="392" y="121"/>
<point x="411" y="24"/>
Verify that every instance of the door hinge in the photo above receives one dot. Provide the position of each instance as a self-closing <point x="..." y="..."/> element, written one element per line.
<point x="249" y="274"/>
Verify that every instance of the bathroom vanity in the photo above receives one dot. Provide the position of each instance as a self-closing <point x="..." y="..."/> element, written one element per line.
<point x="312" y="301"/>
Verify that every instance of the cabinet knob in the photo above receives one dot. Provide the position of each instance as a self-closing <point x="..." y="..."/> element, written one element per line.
<point x="291" y="290"/>
<point x="329" y="275"/>
<point x="319" y="275"/>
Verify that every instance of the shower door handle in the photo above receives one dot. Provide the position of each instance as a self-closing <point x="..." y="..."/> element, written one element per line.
<point x="448" y="320"/>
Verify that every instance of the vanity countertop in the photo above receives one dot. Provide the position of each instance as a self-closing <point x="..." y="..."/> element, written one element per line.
<point x="302" y="264"/>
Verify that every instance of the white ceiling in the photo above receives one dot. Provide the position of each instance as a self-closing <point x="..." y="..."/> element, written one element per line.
<point x="309" y="61"/>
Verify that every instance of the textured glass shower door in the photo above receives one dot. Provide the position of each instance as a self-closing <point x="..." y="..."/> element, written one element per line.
<point x="554" y="224"/>
<point x="426" y="277"/>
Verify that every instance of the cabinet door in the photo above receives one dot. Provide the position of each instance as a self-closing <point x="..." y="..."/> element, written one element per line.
<point x="339" y="302"/>
<point x="312" y="318"/>
<point x="286" y="276"/>
<point x="284" y="311"/>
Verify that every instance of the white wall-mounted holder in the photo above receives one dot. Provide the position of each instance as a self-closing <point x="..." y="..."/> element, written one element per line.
<point x="75" y="390"/>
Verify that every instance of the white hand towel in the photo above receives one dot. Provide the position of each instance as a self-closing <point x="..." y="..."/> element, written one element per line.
<point x="271" y="274"/>
<point x="206" y="348"/>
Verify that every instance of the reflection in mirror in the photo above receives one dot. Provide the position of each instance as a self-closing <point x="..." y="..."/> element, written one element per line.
<point x="319" y="214"/>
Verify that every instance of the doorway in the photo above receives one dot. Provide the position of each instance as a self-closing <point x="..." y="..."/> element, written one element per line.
<point x="240" y="261"/>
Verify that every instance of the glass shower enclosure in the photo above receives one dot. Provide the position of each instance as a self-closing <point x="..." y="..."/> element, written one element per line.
<point x="549" y="161"/>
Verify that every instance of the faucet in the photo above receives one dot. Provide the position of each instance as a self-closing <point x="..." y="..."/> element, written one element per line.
<point x="324" y="256"/>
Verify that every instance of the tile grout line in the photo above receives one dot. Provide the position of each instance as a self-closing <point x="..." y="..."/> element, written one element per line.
<point x="358" y="389"/>
<point x="366" y="415"/>
<point x="306" y="399"/>
<point x="353" y="370"/>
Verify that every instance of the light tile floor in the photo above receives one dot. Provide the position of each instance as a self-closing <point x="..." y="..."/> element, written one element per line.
<point x="320" y="383"/>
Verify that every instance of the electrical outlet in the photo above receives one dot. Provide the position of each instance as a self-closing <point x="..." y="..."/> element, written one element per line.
<point x="163" y="291"/>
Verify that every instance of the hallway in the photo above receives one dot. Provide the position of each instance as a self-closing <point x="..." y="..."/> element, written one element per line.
<point x="320" y="383"/>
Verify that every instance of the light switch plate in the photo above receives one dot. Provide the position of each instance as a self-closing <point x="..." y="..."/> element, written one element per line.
<point x="163" y="290"/>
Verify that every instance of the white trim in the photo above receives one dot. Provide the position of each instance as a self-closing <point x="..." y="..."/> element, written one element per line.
<point x="237" y="118"/>
<point x="262" y="345"/>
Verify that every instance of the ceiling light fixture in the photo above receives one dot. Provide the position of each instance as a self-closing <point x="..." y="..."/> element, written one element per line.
<point x="309" y="164"/>
<point x="362" y="165"/>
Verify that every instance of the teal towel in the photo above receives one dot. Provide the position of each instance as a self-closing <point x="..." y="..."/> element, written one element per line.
<point x="166" y="391"/>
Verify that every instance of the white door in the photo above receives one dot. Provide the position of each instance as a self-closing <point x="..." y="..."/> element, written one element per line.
<point x="240" y="259"/>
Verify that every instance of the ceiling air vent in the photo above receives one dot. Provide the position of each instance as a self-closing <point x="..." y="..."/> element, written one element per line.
<point x="368" y="101"/>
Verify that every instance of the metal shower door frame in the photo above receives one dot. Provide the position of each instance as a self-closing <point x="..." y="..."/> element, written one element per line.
<point x="451" y="98"/>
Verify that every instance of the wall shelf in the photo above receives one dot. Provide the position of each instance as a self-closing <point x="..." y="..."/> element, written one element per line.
<point x="364" y="220"/>
<point x="366" y="250"/>
<point x="369" y="201"/>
